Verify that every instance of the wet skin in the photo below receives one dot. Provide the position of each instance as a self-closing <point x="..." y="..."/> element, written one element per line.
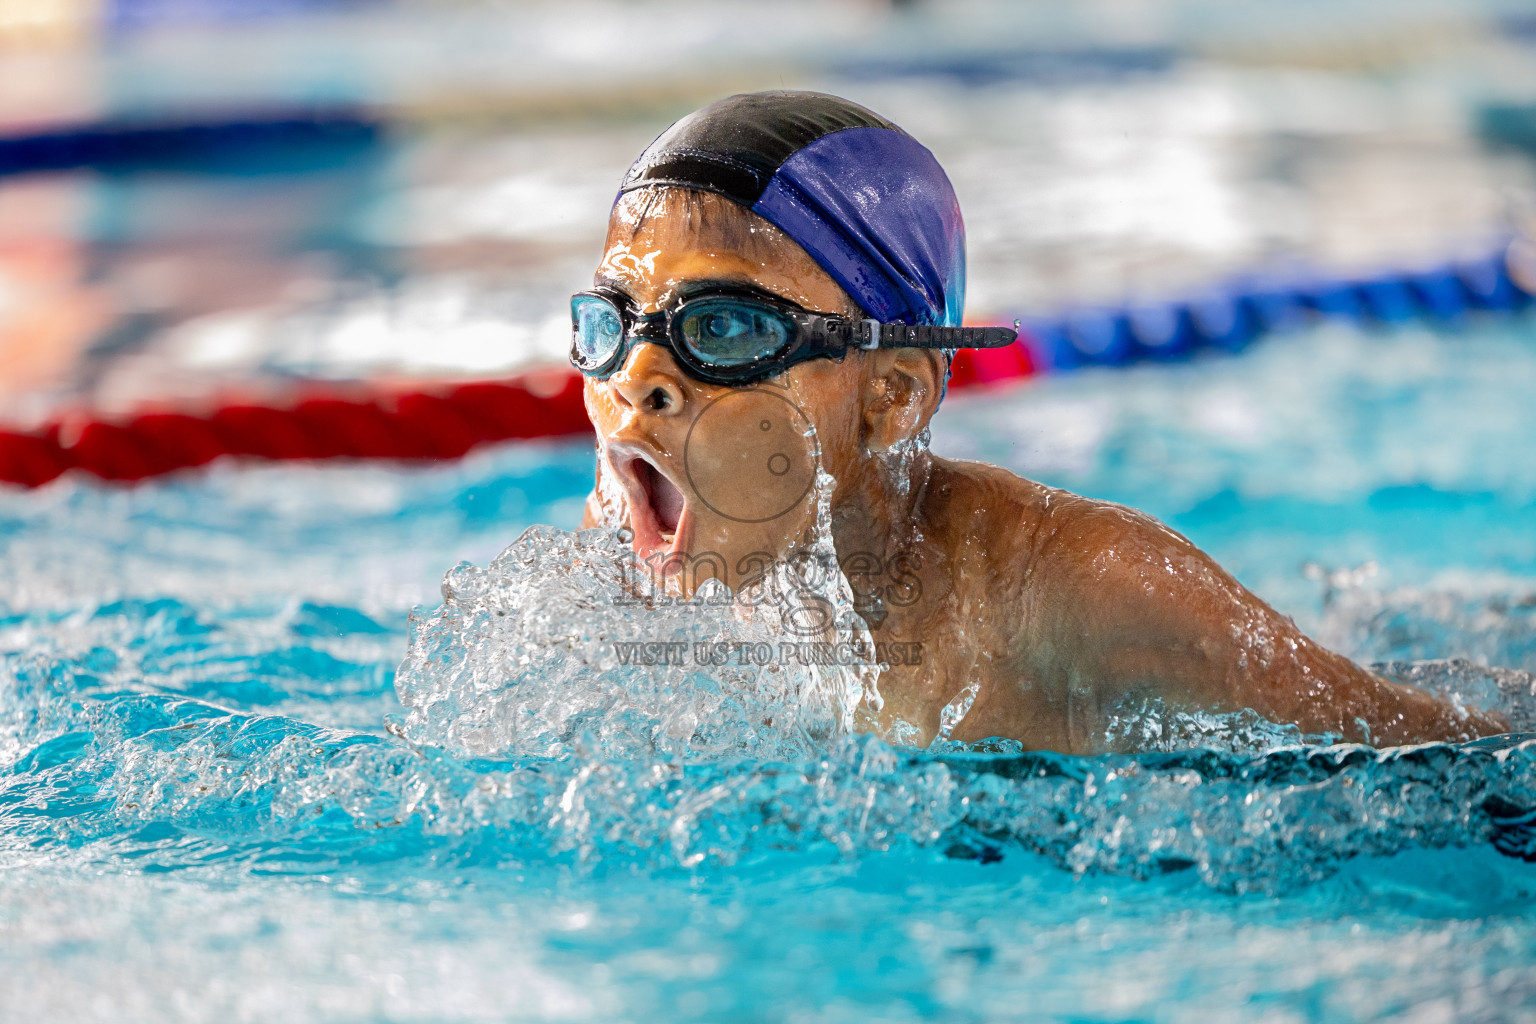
<point x="1056" y="606"/>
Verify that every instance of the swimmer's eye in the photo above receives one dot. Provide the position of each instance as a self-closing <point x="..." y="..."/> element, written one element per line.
<point x="733" y="332"/>
<point x="596" y="330"/>
<point x="717" y="326"/>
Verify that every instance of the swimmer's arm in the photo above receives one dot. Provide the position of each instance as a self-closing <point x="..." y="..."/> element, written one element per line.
<point x="1156" y="615"/>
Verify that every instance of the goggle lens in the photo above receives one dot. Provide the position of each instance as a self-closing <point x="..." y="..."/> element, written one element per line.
<point x="597" y="331"/>
<point x="733" y="332"/>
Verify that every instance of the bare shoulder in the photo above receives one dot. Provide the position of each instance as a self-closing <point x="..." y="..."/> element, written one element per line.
<point x="1090" y="589"/>
<point x="986" y="509"/>
<point x="1120" y="551"/>
<point x="1125" y="590"/>
<point x="1053" y="565"/>
<point x="1061" y="540"/>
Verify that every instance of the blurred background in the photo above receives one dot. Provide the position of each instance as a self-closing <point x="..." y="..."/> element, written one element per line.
<point x="206" y="198"/>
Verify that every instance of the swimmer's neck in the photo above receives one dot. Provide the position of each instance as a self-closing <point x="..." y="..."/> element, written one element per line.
<point x="878" y="510"/>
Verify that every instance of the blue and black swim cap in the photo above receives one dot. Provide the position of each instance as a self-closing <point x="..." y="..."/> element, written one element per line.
<point x="867" y="201"/>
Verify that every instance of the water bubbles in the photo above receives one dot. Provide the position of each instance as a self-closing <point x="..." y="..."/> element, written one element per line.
<point x="955" y="711"/>
<point x="560" y="638"/>
<point x="1150" y="725"/>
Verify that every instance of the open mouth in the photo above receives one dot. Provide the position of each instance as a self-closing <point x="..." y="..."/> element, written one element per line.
<point x="658" y="511"/>
<point x="662" y="495"/>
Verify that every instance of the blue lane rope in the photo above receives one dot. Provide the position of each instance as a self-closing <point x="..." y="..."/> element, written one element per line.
<point x="1233" y="316"/>
<point x="265" y="141"/>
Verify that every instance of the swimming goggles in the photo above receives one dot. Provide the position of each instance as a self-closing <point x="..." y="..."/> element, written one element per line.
<point x="735" y="335"/>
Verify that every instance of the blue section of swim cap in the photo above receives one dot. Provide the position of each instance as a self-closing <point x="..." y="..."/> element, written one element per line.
<point x="874" y="208"/>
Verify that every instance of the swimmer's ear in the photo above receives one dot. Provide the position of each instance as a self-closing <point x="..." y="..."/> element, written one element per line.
<point x="902" y="387"/>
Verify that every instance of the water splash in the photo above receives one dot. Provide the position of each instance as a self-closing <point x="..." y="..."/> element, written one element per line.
<point x="524" y="740"/>
<point x="1151" y="725"/>
<point x="953" y="713"/>
<point x="1510" y="691"/>
<point x="180" y="782"/>
<point x="561" y="647"/>
<point x="1488" y="621"/>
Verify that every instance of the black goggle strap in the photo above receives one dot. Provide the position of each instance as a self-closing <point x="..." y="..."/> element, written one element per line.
<point x="872" y="334"/>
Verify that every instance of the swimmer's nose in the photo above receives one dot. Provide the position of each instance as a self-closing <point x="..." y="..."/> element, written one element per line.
<point x="650" y="381"/>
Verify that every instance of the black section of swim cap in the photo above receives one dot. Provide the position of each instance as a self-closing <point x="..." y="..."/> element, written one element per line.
<point x="735" y="145"/>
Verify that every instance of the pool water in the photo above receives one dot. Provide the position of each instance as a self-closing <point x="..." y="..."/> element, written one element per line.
<point x="224" y="797"/>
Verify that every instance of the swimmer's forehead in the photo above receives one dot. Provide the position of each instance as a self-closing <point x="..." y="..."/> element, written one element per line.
<point x="660" y="240"/>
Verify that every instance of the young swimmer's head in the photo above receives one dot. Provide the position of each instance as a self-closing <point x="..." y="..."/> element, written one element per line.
<point x="715" y="387"/>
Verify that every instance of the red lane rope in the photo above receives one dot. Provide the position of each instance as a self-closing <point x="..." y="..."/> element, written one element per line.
<point x="413" y="425"/>
<point x="972" y="366"/>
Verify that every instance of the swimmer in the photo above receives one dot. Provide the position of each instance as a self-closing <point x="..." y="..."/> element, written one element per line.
<point x="780" y="292"/>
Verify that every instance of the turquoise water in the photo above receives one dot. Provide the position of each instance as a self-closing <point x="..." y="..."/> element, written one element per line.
<point x="204" y="814"/>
